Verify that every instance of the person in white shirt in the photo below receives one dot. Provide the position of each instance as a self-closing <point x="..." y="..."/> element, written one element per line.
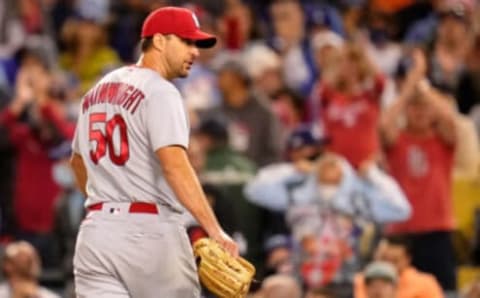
<point x="21" y="267"/>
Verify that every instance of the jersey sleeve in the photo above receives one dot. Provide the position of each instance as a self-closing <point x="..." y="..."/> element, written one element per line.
<point x="76" y="141"/>
<point x="166" y="119"/>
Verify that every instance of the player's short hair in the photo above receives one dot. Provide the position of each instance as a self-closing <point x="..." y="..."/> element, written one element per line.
<point x="146" y="43"/>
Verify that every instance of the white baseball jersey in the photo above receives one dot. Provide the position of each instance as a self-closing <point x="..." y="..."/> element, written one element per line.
<point x="123" y="120"/>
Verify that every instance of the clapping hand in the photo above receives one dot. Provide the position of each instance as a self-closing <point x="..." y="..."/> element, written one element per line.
<point x="24" y="93"/>
<point x="416" y="73"/>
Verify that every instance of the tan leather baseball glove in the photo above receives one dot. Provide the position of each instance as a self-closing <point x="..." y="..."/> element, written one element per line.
<point x="221" y="273"/>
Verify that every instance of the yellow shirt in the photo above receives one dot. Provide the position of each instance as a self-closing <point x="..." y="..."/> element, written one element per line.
<point x="99" y="63"/>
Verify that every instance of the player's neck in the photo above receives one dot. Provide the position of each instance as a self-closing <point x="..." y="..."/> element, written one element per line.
<point x="155" y="64"/>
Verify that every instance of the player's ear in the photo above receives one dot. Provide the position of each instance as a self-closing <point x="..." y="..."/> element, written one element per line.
<point x="159" y="42"/>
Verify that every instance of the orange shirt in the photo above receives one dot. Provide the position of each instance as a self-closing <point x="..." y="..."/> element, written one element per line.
<point x="423" y="167"/>
<point x="351" y="121"/>
<point x="411" y="284"/>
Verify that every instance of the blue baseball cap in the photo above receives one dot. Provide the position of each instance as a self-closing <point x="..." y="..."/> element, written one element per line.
<point x="277" y="241"/>
<point x="306" y="135"/>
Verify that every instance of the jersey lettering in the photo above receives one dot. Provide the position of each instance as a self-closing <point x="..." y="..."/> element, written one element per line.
<point x="417" y="161"/>
<point x="348" y="114"/>
<point x="124" y="95"/>
<point x="105" y="140"/>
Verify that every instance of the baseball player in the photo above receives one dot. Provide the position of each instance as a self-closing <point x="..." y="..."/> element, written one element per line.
<point x="129" y="157"/>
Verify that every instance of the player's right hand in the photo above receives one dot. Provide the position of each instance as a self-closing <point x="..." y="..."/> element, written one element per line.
<point x="226" y="242"/>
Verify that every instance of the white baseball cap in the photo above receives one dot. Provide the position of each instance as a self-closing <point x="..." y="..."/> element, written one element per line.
<point x="326" y="38"/>
<point x="381" y="270"/>
<point x="259" y="58"/>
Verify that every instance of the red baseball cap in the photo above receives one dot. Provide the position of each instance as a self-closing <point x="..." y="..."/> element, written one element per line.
<point x="179" y="21"/>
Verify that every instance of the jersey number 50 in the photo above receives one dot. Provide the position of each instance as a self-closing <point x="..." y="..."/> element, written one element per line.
<point x="118" y="157"/>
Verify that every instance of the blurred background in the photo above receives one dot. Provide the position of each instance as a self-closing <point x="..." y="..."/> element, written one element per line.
<point x="337" y="141"/>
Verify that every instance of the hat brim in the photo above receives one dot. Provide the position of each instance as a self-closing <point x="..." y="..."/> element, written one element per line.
<point x="202" y="40"/>
<point x="384" y="277"/>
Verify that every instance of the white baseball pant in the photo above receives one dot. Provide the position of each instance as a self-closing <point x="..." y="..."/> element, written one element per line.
<point x="139" y="255"/>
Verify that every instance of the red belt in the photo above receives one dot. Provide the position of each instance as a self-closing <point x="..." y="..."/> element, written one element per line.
<point x="135" y="207"/>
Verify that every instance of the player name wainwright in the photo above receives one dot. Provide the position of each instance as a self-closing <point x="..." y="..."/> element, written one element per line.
<point x="120" y="94"/>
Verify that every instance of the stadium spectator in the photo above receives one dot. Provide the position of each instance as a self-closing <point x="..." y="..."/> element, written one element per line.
<point x="279" y="259"/>
<point x="235" y="24"/>
<point x="263" y="66"/>
<point x="252" y="127"/>
<point x="422" y="31"/>
<point x="326" y="45"/>
<point x="12" y="33"/>
<point x="420" y="157"/>
<point x="38" y="30"/>
<point x="214" y="189"/>
<point x="288" y="106"/>
<point x="327" y="208"/>
<point x="380" y="280"/>
<point x="447" y="60"/>
<point x="467" y="142"/>
<point x="223" y="165"/>
<point x="290" y="39"/>
<point x="349" y="106"/>
<point x="21" y="268"/>
<point x="304" y="145"/>
<point x="36" y="125"/>
<point x="280" y="286"/>
<point x="87" y="55"/>
<point x="411" y="283"/>
<point x="323" y="15"/>
<point x="381" y="49"/>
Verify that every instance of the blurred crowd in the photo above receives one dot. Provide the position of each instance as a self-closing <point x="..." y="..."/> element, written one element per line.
<point x="337" y="141"/>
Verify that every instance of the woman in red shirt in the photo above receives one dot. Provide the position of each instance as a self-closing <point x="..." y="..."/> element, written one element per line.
<point x="34" y="142"/>
<point x="348" y="99"/>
